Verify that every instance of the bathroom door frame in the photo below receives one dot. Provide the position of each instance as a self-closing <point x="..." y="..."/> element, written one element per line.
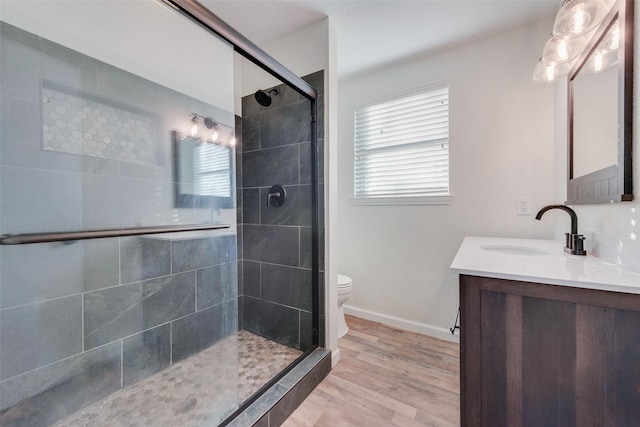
<point x="214" y="24"/>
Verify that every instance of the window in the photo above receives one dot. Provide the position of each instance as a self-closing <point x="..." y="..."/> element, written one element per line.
<point x="203" y="173"/>
<point x="212" y="176"/>
<point x="402" y="147"/>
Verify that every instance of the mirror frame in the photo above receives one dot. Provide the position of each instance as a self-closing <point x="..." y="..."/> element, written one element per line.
<point x="613" y="183"/>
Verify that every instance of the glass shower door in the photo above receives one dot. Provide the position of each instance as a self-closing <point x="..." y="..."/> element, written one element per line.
<point x="116" y="116"/>
<point x="276" y="196"/>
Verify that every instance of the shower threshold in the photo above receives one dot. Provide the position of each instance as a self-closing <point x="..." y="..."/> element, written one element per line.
<point x="201" y="390"/>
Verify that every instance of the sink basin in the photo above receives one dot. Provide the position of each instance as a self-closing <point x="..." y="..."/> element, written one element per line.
<point x="514" y="250"/>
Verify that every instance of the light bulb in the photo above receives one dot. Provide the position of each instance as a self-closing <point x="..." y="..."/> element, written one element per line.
<point x="232" y="142"/>
<point x="563" y="52"/>
<point x="602" y="61"/>
<point x="577" y="17"/>
<point x="543" y="73"/>
<point x="559" y="51"/>
<point x="598" y="62"/>
<point x="194" y="126"/>
<point x="611" y="41"/>
<point x="579" y="21"/>
<point x="214" y="136"/>
<point x="615" y="36"/>
<point x="547" y="73"/>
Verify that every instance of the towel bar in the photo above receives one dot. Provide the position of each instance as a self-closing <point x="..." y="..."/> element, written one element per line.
<point x="23" y="239"/>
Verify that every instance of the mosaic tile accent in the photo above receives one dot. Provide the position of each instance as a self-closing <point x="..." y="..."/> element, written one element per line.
<point x="259" y="360"/>
<point x="87" y="125"/>
<point x="201" y="390"/>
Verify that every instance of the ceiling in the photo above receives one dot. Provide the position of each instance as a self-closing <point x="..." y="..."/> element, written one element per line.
<point x="373" y="33"/>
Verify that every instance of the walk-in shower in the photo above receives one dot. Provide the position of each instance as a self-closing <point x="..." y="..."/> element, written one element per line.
<point x="149" y="274"/>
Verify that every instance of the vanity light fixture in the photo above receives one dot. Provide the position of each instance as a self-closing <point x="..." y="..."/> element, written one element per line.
<point x="573" y="28"/>
<point x="213" y="126"/>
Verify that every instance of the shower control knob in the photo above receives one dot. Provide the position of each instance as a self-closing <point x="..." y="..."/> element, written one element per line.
<point x="276" y="196"/>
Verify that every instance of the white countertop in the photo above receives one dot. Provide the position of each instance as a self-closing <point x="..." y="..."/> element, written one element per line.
<point x="542" y="261"/>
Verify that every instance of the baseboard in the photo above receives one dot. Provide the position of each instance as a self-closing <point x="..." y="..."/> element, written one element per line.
<point x="407" y="325"/>
<point x="335" y="356"/>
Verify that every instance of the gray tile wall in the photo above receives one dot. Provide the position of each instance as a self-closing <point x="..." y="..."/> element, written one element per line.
<point x="141" y="327"/>
<point x="275" y="148"/>
<point x="79" y="321"/>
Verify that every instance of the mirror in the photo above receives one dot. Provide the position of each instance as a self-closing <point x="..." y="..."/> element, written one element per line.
<point x="203" y="173"/>
<point x="600" y="113"/>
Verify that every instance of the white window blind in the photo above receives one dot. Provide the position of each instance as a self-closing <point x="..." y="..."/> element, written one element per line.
<point x="212" y="176"/>
<point x="402" y="146"/>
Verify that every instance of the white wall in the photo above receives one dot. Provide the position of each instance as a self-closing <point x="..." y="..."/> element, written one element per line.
<point x="501" y="147"/>
<point x="163" y="47"/>
<point x="306" y="51"/>
<point x="612" y="231"/>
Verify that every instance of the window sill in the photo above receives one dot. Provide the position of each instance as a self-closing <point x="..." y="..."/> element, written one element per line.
<point x="397" y="201"/>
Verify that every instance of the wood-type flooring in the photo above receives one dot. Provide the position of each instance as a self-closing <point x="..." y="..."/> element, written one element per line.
<point x="386" y="377"/>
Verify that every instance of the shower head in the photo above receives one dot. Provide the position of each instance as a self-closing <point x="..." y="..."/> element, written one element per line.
<point x="264" y="97"/>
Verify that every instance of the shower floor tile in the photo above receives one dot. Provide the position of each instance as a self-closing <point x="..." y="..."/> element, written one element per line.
<point x="199" y="391"/>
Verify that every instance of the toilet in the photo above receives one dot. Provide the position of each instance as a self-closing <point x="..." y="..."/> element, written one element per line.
<point x="345" y="285"/>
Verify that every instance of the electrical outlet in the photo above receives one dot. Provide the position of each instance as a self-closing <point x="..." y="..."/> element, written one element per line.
<point x="522" y="206"/>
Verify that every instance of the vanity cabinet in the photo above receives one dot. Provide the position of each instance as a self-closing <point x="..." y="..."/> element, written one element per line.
<point x="545" y="355"/>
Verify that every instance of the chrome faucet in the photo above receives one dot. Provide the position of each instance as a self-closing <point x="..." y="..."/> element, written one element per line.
<point x="574" y="242"/>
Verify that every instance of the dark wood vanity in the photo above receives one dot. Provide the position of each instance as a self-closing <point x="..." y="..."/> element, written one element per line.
<point x="544" y="355"/>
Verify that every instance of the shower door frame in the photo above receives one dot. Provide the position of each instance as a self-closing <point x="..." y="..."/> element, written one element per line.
<point x="211" y="22"/>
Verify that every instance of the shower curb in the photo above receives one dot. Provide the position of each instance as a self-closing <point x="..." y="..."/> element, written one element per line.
<point x="276" y="404"/>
